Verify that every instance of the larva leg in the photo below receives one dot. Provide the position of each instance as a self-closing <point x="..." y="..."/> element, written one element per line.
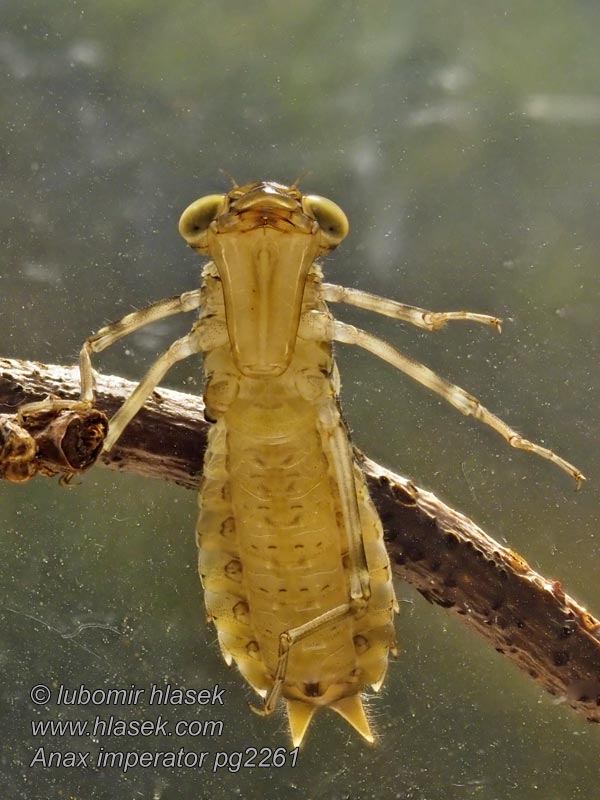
<point x="464" y="402"/>
<point x="288" y="639"/>
<point x="336" y="443"/>
<point x="188" y="301"/>
<point x="181" y="348"/>
<point x="429" y="320"/>
<point x="105" y="337"/>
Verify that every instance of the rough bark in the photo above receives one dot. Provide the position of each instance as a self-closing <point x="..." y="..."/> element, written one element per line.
<point x="451" y="561"/>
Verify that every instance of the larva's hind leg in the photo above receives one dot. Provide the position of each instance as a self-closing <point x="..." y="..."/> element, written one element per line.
<point x="287" y="639"/>
<point x="300" y="712"/>
<point x="338" y="451"/>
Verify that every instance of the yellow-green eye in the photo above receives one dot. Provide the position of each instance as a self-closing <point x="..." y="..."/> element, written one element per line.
<point x="195" y="220"/>
<point x="332" y="220"/>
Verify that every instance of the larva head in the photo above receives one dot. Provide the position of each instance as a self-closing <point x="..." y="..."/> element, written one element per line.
<point x="263" y="239"/>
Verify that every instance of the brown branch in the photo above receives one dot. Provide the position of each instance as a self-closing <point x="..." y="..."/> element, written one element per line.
<point x="451" y="561"/>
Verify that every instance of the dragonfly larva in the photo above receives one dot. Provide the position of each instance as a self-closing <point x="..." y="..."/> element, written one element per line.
<point x="295" y="573"/>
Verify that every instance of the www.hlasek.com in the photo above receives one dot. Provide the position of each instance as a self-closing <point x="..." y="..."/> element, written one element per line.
<point x="158" y="725"/>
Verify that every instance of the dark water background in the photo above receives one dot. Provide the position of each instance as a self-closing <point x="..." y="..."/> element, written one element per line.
<point x="462" y="142"/>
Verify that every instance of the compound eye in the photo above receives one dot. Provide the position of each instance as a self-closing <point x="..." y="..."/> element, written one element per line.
<point x="332" y="220"/>
<point x="195" y="220"/>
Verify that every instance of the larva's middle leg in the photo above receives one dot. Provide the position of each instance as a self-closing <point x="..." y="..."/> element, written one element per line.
<point x="463" y="401"/>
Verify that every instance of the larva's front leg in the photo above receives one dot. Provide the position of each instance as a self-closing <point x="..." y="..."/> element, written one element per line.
<point x="420" y="317"/>
<point x="105" y="337"/>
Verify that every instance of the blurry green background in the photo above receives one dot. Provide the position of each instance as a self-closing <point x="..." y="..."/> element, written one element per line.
<point x="462" y="140"/>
